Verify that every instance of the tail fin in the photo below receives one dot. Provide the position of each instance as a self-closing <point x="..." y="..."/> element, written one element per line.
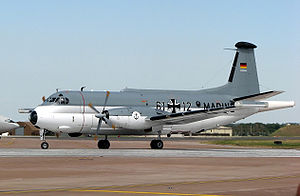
<point x="243" y="78"/>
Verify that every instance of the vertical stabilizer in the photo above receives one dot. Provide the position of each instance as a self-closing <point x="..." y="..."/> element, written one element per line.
<point x="243" y="78"/>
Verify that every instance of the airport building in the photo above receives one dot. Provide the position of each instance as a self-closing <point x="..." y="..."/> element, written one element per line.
<point x="26" y="129"/>
<point x="219" y="131"/>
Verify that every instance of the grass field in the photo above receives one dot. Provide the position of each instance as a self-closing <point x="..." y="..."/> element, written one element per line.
<point x="290" y="130"/>
<point x="258" y="143"/>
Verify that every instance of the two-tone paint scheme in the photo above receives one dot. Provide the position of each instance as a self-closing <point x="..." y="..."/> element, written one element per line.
<point x="142" y="112"/>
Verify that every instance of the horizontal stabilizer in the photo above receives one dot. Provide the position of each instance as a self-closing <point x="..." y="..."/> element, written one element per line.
<point x="259" y="96"/>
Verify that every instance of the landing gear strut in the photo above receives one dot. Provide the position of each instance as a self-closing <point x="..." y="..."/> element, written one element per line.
<point x="44" y="144"/>
<point x="157" y="143"/>
<point x="103" y="144"/>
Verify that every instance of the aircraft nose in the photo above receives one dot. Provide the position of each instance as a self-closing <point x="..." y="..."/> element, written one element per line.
<point x="33" y="117"/>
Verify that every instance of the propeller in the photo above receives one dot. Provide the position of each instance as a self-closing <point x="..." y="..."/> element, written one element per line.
<point x="103" y="115"/>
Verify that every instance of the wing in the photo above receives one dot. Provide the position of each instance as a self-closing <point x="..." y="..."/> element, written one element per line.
<point x="191" y="116"/>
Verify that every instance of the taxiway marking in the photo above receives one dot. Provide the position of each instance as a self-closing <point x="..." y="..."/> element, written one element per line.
<point x="199" y="182"/>
<point x="142" y="192"/>
<point x="104" y="189"/>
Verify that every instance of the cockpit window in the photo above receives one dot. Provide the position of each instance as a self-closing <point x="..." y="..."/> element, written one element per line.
<point x="51" y="99"/>
<point x="59" y="100"/>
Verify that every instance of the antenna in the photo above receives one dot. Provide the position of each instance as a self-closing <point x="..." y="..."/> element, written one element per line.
<point x="234" y="49"/>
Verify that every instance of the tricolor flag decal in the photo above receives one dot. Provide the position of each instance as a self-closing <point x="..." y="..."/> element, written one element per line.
<point x="243" y="66"/>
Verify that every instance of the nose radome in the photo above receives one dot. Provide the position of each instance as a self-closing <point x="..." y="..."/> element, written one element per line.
<point x="33" y="117"/>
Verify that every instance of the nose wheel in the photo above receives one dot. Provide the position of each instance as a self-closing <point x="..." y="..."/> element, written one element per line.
<point x="44" y="145"/>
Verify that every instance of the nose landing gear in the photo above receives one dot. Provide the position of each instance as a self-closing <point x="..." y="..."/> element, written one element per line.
<point x="44" y="144"/>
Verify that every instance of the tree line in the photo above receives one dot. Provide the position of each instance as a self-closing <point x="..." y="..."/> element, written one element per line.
<point x="254" y="129"/>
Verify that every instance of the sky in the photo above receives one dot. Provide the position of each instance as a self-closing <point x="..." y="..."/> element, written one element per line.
<point x="170" y="44"/>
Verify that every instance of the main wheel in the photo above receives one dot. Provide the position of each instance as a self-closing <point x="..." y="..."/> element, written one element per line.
<point x="44" y="145"/>
<point x="103" y="144"/>
<point x="153" y="144"/>
<point x="157" y="144"/>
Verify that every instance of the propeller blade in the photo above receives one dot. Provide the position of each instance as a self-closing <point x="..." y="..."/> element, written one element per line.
<point x="98" y="128"/>
<point x="101" y="116"/>
<point x="106" y="98"/>
<point x="93" y="108"/>
<point x="43" y="98"/>
<point x="108" y="122"/>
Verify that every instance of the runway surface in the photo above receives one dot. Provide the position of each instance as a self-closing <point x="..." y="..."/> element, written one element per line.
<point x="77" y="167"/>
<point x="17" y="152"/>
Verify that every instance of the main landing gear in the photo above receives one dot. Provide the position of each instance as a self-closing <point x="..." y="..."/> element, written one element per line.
<point x="44" y="144"/>
<point x="157" y="143"/>
<point x="103" y="144"/>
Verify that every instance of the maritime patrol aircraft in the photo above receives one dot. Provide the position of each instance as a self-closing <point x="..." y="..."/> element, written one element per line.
<point x="7" y="124"/>
<point x="142" y="112"/>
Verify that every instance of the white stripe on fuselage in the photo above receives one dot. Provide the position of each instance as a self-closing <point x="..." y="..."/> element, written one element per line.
<point x="58" y="118"/>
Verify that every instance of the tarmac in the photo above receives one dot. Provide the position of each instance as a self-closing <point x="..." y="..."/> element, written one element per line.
<point x="179" y="153"/>
<point x="77" y="167"/>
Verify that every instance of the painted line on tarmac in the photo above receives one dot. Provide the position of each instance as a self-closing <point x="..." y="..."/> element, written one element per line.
<point x="198" y="182"/>
<point x="141" y="192"/>
<point x="104" y="189"/>
<point x="33" y="191"/>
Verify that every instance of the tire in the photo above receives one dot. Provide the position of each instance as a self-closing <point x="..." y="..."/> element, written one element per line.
<point x="44" y="145"/>
<point x="153" y="144"/>
<point x="103" y="144"/>
<point x="159" y="144"/>
<point x="156" y="144"/>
